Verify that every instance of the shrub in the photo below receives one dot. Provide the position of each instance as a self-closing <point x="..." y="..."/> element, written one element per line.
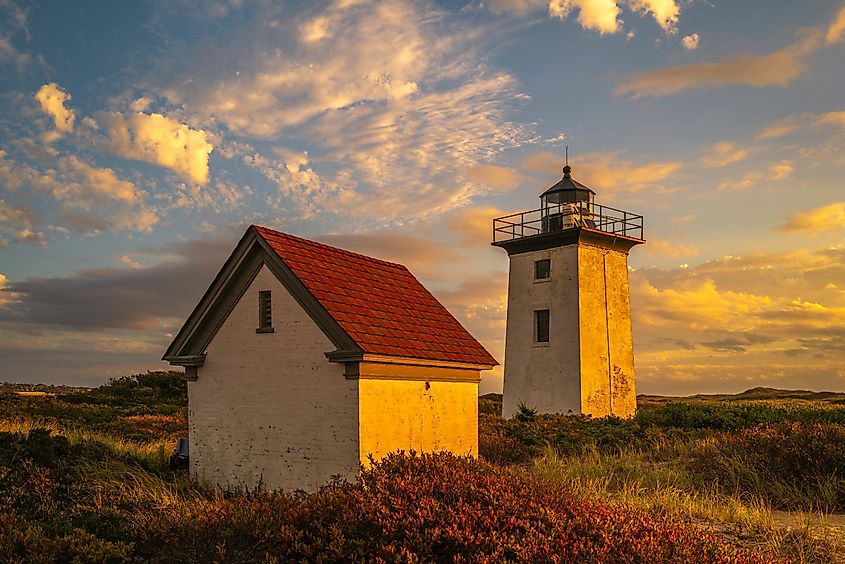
<point x="425" y="508"/>
<point x="723" y="416"/>
<point x="791" y="465"/>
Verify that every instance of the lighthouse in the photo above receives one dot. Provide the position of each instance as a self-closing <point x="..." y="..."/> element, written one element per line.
<point x="568" y="345"/>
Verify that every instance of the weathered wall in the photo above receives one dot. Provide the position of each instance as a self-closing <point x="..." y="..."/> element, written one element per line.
<point x="543" y="376"/>
<point x="607" y="357"/>
<point x="426" y="416"/>
<point x="269" y="406"/>
<point x="588" y="365"/>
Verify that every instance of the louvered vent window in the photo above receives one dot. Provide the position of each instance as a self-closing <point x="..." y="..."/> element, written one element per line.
<point x="265" y="312"/>
<point x="541" y="326"/>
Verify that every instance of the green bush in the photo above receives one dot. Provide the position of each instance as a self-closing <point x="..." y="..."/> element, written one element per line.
<point x="731" y="417"/>
<point x="791" y="465"/>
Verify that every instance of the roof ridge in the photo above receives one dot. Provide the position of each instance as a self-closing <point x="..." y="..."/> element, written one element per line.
<point x="319" y="244"/>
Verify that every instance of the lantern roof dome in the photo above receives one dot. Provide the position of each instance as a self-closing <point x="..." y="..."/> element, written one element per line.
<point x="567" y="184"/>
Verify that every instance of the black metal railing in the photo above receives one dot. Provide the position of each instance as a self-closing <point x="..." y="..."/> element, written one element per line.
<point x="566" y="216"/>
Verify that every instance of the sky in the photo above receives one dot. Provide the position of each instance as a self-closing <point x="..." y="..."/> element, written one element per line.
<point x="139" y="140"/>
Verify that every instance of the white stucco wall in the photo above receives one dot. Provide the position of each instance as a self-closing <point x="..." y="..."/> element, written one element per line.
<point x="543" y="376"/>
<point x="588" y="365"/>
<point x="269" y="406"/>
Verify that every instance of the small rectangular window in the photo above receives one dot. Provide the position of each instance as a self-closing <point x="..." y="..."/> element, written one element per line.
<point x="542" y="269"/>
<point x="541" y="326"/>
<point x="265" y="312"/>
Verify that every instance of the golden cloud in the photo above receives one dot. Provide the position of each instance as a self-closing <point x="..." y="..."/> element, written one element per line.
<point x="597" y="15"/>
<point x="724" y="153"/>
<point x="832" y="118"/>
<point x="665" y="13"/>
<point x="778" y="68"/>
<point x="157" y="139"/>
<point x="780" y="128"/>
<point x="691" y="41"/>
<point x="836" y="30"/>
<point x="606" y="171"/>
<point x="670" y="248"/>
<point x="475" y="225"/>
<point x="497" y="177"/>
<point x="52" y="100"/>
<point x="816" y="220"/>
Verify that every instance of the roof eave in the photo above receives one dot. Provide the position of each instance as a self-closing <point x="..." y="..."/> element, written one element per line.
<point x="357" y="356"/>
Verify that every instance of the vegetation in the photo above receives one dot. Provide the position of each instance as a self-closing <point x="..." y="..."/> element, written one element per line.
<point x="84" y="476"/>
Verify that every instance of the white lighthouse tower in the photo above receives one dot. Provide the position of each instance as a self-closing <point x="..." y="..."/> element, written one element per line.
<point x="568" y="345"/>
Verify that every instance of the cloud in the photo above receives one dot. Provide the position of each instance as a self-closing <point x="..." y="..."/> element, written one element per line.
<point x="52" y="100"/>
<point x="725" y="153"/>
<point x="665" y="13"/>
<point x="496" y="177"/>
<point x="779" y="68"/>
<point x="776" y="172"/>
<point x="782" y="170"/>
<point x="86" y="198"/>
<point x="597" y="15"/>
<point x="691" y="41"/>
<point x="475" y="225"/>
<point x="670" y="248"/>
<point x="781" y="127"/>
<point x="18" y="224"/>
<point x="831" y="118"/>
<point x="422" y="256"/>
<point x="157" y="139"/>
<point x="416" y="109"/>
<point x="836" y="30"/>
<point x="736" y="320"/>
<point x="607" y="172"/>
<point x="816" y="220"/>
<point x="120" y="298"/>
<point x="683" y="219"/>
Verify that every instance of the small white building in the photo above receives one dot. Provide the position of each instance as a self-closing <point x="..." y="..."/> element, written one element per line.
<point x="303" y="360"/>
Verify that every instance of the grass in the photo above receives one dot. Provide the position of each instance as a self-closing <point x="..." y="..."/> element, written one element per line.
<point x="97" y="487"/>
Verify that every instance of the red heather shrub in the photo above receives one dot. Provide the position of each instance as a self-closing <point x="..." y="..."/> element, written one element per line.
<point x="425" y="508"/>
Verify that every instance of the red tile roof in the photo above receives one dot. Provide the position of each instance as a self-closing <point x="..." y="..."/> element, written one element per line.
<point x="379" y="304"/>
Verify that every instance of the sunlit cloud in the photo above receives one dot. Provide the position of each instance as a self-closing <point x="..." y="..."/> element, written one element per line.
<point x="597" y="15"/>
<point x="781" y="127"/>
<point x="474" y="225"/>
<point x="691" y="41"/>
<point x="836" y="30"/>
<point x="89" y="199"/>
<point x="779" y="68"/>
<point x="816" y="220"/>
<point x="738" y="318"/>
<point x="725" y="153"/>
<point x="493" y="176"/>
<point x="665" y="13"/>
<point x="832" y="118"/>
<point x="157" y="139"/>
<point x="52" y="100"/>
<point x="602" y="16"/>
<point x="670" y="248"/>
<point x="608" y="172"/>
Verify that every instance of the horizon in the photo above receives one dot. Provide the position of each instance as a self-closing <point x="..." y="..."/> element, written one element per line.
<point x="138" y="141"/>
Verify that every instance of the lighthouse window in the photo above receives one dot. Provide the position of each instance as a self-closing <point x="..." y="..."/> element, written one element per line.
<point x="541" y="326"/>
<point x="265" y="312"/>
<point x="542" y="269"/>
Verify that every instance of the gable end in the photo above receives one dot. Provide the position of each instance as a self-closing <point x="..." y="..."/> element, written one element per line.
<point x="227" y="288"/>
